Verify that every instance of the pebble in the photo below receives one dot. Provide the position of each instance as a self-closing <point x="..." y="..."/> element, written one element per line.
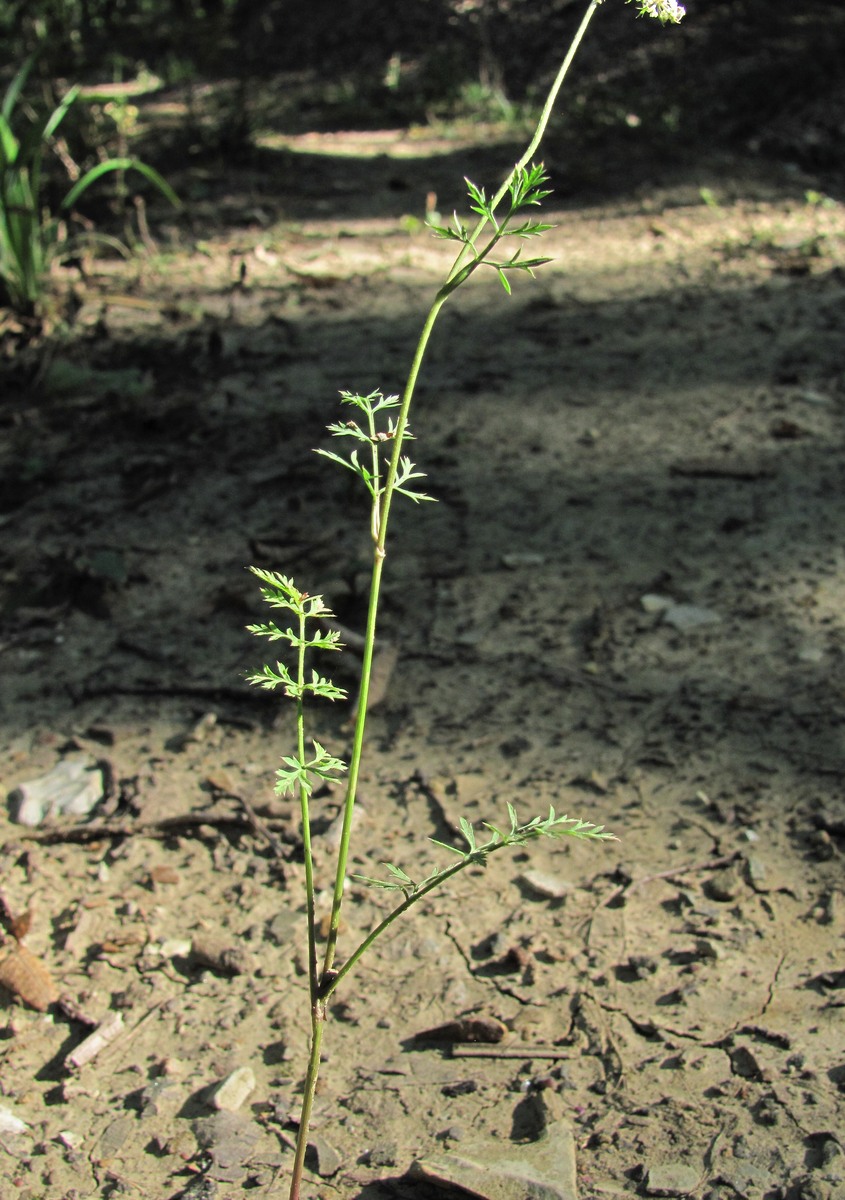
<point x="201" y="1188"/>
<point x="283" y="928"/>
<point x="69" y="1139"/>
<point x="706" y="948"/>
<point x="744" y="1063"/>
<point x="685" y="617"/>
<point x="486" y="1030"/>
<point x="328" y="1160"/>
<point x="748" y="1178"/>
<point x="229" y="1137"/>
<point x="221" y="954"/>
<point x="551" y="887"/>
<point x="383" y="1154"/>
<point x="497" y="1170"/>
<point x="9" y="1123"/>
<point x="230" y="1093"/>
<point x="652" y="602"/>
<point x="672" y="1179"/>
<point x="73" y="787"/>
<point x="464" y="1087"/>
<point x="175" y="947"/>
<point x="724" y="885"/>
<point x="113" y="1137"/>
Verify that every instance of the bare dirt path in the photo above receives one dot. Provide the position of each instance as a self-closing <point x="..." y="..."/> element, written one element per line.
<point x="628" y="604"/>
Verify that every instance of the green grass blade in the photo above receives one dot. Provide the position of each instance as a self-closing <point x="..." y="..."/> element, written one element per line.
<point x="8" y="146"/>
<point x="58" y="114"/>
<point x="120" y="164"/>
<point x="14" y="88"/>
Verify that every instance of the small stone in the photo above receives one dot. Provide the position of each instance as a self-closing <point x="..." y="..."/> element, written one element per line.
<point x="748" y="1178"/>
<point x="641" y="965"/>
<point x="221" y="954"/>
<point x="832" y="1153"/>
<point x="744" y="1063"/>
<point x="229" y="1137"/>
<point x="551" y="887"/>
<point x="327" y="1161"/>
<point x="706" y="948"/>
<point x="175" y="947"/>
<point x="113" y="1137"/>
<point x="756" y="872"/>
<point x="654" y="603"/>
<point x="462" y="1088"/>
<point x="69" y="1139"/>
<point x="485" y="1030"/>
<point x="686" y="617"/>
<point x="283" y="928"/>
<point x="230" y="1093"/>
<point x="497" y="1170"/>
<point x="334" y="832"/>
<point x="200" y="1188"/>
<point x="512" y="747"/>
<point x="672" y="1179"/>
<point x="9" y="1123"/>
<point x="811" y="654"/>
<point x="200" y="730"/>
<point x="382" y="1154"/>
<point x="724" y="885"/>
<point x="72" y="788"/>
<point x="163" y="874"/>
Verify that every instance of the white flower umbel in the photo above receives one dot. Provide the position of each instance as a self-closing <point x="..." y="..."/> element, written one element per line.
<point x="665" y="11"/>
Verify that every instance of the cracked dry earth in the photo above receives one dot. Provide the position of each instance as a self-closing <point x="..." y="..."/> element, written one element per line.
<point x="628" y="603"/>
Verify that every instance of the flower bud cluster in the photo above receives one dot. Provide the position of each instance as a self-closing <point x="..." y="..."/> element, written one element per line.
<point x="665" y="11"/>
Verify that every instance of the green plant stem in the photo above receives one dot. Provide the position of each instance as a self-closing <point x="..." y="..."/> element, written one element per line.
<point x="539" y="132"/>
<point x="381" y="511"/>
<point x="354" y="762"/>
<point x="385" y="924"/>
<point x="305" y="818"/>
<point x="458" y="275"/>
<point x="317" y="1026"/>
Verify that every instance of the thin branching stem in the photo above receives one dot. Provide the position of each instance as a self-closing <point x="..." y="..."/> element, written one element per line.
<point x="525" y="188"/>
<point x="533" y="145"/>
<point x="305" y="816"/>
<point x="354" y="762"/>
<point x="378" y="930"/>
<point x="317" y="1026"/>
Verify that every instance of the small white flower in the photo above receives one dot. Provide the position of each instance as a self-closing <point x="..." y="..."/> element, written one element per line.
<point x="663" y="10"/>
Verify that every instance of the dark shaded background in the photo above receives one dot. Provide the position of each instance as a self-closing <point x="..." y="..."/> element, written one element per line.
<point x="762" y="75"/>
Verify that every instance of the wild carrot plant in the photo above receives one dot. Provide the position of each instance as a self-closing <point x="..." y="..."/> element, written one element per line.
<point x="377" y="426"/>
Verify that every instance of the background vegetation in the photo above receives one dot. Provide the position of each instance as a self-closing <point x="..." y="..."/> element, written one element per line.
<point x="746" y="69"/>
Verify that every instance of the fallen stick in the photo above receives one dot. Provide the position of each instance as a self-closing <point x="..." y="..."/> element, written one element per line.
<point x="464" y="1051"/>
<point x="105" y="1032"/>
<point x="166" y="827"/>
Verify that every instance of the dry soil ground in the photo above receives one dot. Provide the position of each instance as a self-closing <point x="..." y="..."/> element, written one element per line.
<point x="659" y="414"/>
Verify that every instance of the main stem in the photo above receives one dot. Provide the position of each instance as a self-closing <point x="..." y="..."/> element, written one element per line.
<point x="381" y="513"/>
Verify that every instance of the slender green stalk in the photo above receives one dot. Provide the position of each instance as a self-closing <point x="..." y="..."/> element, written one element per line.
<point x="337" y="977"/>
<point x="524" y="185"/>
<point x="305" y="816"/>
<point x="539" y="132"/>
<point x="354" y="762"/>
<point x="318" y="1024"/>
<point x="458" y="275"/>
<point x="475" y="855"/>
